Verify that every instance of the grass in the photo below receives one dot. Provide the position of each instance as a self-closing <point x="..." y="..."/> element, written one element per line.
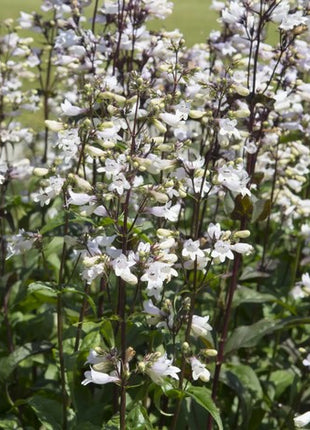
<point x="193" y="17"/>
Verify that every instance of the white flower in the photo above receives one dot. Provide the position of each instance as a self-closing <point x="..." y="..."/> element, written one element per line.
<point x="292" y="20"/>
<point x="93" y="357"/>
<point x="242" y="248"/>
<point x="121" y="266"/>
<point x="68" y="142"/>
<point x="79" y="199"/>
<point x="214" y="231"/>
<point x="173" y="119"/>
<point x="155" y="275"/>
<point x="155" y="313"/>
<point x="160" y="368"/>
<point x="156" y="316"/>
<point x="111" y="167"/>
<point x="305" y="280"/>
<point x="70" y="110"/>
<point x="306" y="361"/>
<point x="200" y="326"/>
<point x="235" y="179"/>
<point x="94" y="267"/>
<point x="222" y="250"/>
<point x="21" y="242"/>
<point x="25" y="20"/>
<point x="167" y="211"/>
<point x="191" y="249"/>
<point x="159" y="8"/>
<point x="302" y="420"/>
<point x="233" y="14"/>
<point x="119" y="184"/>
<point x="228" y="130"/>
<point x="53" y="189"/>
<point x="99" y="377"/>
<point x="199" y="370"/>
<point x="297" y="292"/>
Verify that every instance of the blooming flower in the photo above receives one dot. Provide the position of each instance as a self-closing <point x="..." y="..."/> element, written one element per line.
<point x="155" y="275"/>
<point x="98" y="377"/>
<point x="222" y="250"/>
<point x="70" y="110"/>
<point x="235" y="179"/>
<point x="191" y="249"/>
<point x="79" y="199"/>
<point x="199" y="370"/>
<point x="21" y="242"/>
<point x="167" y="211"/>
<point x="157" y="366"/>
<point x="200" y="326"/>
<point x="302" y="420"/>
<point x="306" y="361"/>
<point x="121" y="266"/>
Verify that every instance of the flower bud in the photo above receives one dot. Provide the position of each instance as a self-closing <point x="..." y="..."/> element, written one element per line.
<point x="185" y="347"/>
<point x="196" y="114"/>
<point x="130" y="353"/>
<point x="159" y="125"/>
<point x="141" y="366"/>
<point x="163" y="232"/>
<point x="210" y="352"/>
<point x="242" y="234"/>
<point x="54" y="125"/>
<point x="40" y="171"/>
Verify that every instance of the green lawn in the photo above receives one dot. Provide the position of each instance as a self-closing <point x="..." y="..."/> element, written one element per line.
<point x="193" y="17"/>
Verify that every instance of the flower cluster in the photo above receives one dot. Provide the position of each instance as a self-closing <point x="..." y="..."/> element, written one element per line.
<point x="159" y="191"/>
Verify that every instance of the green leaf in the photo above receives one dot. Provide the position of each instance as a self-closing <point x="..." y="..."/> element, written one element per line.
<point x="247" y="377"/>
<point x="89" y="299"/>
<point x="48" y="412"/>
<point x="261" y="210"/>
<point x="248" y="336"/>
<point x="113" y="423"/>
<point x="9" y="363"/>
<point x="229" y="203"/>
<point x="243" y="380"/>
<point x="138" y="419"/>
<point x="250" y="273"/>
<point x="158" y="393"/>
<point x="9" y="424"/>
<point x="243" y="208"/>
<point x="41" y="290"/>
<point x="53" y="223"/>
<point x="249" y="295"/>
<point x="202" y="396"/>
<point x="281" y="379"/>
<point x="108" y="333"/>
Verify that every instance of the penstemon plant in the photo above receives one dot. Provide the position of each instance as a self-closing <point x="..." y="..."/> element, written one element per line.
<point x="155" y="237"/>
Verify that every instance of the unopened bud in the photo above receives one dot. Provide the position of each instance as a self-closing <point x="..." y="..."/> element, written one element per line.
<point x="141" y="366"/>
<point x="159" y="125"/>
<point x="53" y="125"/>
<point x="40" y="171"/>
<point x="210" y="352"/>
<point x="242" y="234"/>
<point x="196" y="114"/>
<point x="185" y="347"/>
<point x="163" y="232"/>
<point x="130" y="353"/>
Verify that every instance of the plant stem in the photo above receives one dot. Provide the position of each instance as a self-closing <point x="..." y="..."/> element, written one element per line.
<point x="60" y="325"/>
<point x="187" y="335"/>
<point x="93" y="24"/>
<point x="220" y="360"/>
<point x="81" y="318"/>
